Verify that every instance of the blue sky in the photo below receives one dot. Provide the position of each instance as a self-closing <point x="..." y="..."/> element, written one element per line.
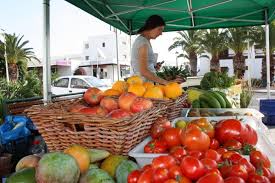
<point x="70" y="27"/>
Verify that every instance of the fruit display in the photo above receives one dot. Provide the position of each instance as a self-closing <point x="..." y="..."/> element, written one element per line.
<point x="208" y="99"/>
<point x="75" y="165"/>
<point x="201" y="151"/>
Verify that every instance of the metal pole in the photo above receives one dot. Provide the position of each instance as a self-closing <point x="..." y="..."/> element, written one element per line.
<point x="46" y="52"/>
<point x="267" y="54"/>
<point x="118" y="66"/>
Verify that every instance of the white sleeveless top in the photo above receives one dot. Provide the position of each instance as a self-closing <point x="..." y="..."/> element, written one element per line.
<point x="139" y="42"/>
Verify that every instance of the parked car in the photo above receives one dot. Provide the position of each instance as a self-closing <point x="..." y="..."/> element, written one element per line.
<point x="76" y="84"/>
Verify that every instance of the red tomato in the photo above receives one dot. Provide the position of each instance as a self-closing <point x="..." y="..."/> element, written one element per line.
<point x="196" y="154"/>
<point x="239" y="171"/>
<point x="205" y="126"/>
<point x="172" y="136"/>
<point x="212" y="177"/>
<point x="228" y="154"/>
<point x="215" y="170"/>
<point x="232" y="145"/>
<point x="166" y="161"/>
<point x="249" y="135"/>
<point x="266" y="172"/>
<point x="133" y="176"/>
<point x="248" y="166"/>
<point x="234" y="179"/>
<point x="160" y="175"/>
<point x="272" y="180"/>
<point x="146" y="167"/>
<point x="178" y="152"/>
<point x="175" y="171"/>
<point x="146" y="176"/>
<point x="159" y="126"/>
<point x="235" y="158"/>
<point x="192" y="168"/>
<point x="209" y="164"/>
<point x="225" y="170"/>
<point x="228" y="129"/>
<point x="214" y="144"/>
<point x="255" y="178"/>
<point x="195" y="139"/>
<point x="257" y="158"/>
<point x="93" y="96"/>
<point x="221" y="150"/>
<point x="212" y="154"/>
<point x="171" y="181"/>
<point x="155" y="146"/>
<point x="184" y="179"/>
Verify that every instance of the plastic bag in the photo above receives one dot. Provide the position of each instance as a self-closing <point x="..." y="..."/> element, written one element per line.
<point x="14" y="127"/>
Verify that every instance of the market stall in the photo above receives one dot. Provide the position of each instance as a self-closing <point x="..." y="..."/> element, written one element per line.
<point x="171" y="135"/>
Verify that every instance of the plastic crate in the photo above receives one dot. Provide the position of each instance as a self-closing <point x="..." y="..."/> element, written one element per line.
<point x="267" y="107"/>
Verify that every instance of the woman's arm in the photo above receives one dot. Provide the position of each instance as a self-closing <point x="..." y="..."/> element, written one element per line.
<point x="143" y="67"/>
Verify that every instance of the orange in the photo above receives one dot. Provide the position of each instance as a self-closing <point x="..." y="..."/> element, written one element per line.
<point x="154" y="92"/>
<point x="137" y="89"/>
<point x="148" y="85"/>
<point x="161" y="87"/>
<point x="120" y="86"/>
<point x="172" y="90"/>
<point x="81" y="155"/>
<point x="134" y="80"/>
<point x="111" y="92"/>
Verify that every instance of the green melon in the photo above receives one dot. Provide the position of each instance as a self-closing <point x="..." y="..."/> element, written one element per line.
<point x="26" y="175"/>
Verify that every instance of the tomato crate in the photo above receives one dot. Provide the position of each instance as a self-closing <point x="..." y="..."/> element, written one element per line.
<point x="263" y="144"/>
<point x="61" y="128"/>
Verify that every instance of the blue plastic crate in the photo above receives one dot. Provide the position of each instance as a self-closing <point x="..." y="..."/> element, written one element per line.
<point x="267" y="107"/>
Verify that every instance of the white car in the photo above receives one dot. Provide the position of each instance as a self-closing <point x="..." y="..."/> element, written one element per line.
<point x="76" y="84"/>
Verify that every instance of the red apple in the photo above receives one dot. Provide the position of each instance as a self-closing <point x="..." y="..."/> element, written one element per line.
<point x="93" y="96"/>
<point x="100" y="111"/>
<point x="109" y="104"/>
<point x="119" y="113"/>
<point x="141" y="104"/>
<point x="125" y="101"/>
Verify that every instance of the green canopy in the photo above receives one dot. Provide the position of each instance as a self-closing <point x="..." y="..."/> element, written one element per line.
<point x="129" y="15"/>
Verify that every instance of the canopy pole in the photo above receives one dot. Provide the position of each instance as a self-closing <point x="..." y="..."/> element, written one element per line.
<point x="267" y="54"/>
<point x="117" y="60"/>
<point x="46" y="52"/>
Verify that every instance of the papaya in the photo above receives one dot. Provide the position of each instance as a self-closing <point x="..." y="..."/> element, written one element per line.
<point x="26" y="175"/>
<point x="110" y="164"/>
<point x="123" y="170"/>
<point x="27" y="162"/>
<point x="97" y="155"/>
<point x="57" y="167"/>
<point x="196" y="104"/>
<point x="96" y="175"/>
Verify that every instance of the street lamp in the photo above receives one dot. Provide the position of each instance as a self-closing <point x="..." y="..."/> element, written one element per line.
<point x="5" y="56"/>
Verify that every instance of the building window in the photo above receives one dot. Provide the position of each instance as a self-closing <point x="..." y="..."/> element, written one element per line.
<point x="86" y="46"/>
<point x="124" y="42"/>
<point x="124" y="56"/>
<point x="86" y="57"/>
<point x="103" y="44"/>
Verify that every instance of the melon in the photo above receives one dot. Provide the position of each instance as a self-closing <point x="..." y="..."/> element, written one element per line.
<point x="26" y="175"/>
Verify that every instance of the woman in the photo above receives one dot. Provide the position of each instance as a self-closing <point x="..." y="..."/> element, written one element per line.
<point x="142" y="56"/>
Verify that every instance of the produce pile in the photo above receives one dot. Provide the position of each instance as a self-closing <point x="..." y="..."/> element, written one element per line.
<point x="172" y="72"/>
<point x="216" y="80"/>
<point x="204" y="152"/>
<point x="208" y="99"/>
<point x="134" y="96"/>
<point x="75" y="164"/>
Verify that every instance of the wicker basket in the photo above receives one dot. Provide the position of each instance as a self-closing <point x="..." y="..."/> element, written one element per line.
<point x="60" y="128"/>
<point x="174" y="107"/>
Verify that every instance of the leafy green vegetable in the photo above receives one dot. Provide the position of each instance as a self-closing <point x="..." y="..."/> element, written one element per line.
<point x="171" y="72"/>
<point x="216" y="80"/>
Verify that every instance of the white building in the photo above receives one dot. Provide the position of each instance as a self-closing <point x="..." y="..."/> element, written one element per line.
<point x="102" y="54"/>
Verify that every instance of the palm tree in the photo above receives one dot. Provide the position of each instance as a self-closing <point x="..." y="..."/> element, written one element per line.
<point x="17" y="55"/>
<point x="189" y="42"/>
<point x="237" y="41"/>
<point x="214" y="41"/>
<point x="260" y="42"/>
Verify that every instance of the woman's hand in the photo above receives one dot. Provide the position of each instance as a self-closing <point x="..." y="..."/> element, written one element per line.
<point x="178" y="80"/>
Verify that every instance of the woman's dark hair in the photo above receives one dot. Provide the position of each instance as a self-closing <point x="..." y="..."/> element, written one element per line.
<point x="152" y="22"/>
